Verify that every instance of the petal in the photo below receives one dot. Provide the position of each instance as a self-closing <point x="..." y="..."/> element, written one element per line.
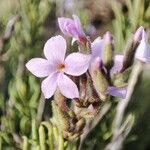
<point x="64" y="23"/>
<point x="49" y="85"/>
<point x="55" y="49"/>
<point x="143" y="50"/>
<point x="78" y="25"/>
<point x="118" y="92"/>
<point x="67" y="87"/>
<point x="72" y="31"/>
<point x="118" y="64"/>
<point x="138" y="34"/>
<point x="40" y="67"/>
<point x="97" y="47"/>
<point x="77" y="64"/>
<point x="95" y="65"/>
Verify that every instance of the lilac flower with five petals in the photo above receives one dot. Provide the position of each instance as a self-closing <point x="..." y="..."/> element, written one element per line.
<point x="55" y="66"/>
<point x="72" y="28"/>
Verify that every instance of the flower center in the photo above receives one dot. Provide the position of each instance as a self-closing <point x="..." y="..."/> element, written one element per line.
<point x="61" y="67"/>
<point x="83" y="39"/>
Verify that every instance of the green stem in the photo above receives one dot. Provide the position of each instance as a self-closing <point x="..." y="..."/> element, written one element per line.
<point x="34" y="129"/>
<point x="42" y="138"/>
<point x="73" y="145"/>
<point x="25" y="143"/>
<point x="61" y="142"/>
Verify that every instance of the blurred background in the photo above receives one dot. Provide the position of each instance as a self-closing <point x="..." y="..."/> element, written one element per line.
<point x="25" y="25"/>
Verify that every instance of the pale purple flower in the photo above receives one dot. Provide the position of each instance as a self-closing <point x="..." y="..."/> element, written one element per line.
<point x="118" y="63"/>
<point x="97" y="47"/>
<point x="72" y="28"/>
<point x="98" y="44"/>
<point x="97" y="50"/>
<point x="143" y="50"/>
<point x="114" y="91"/>
<point x="55" y="66"/>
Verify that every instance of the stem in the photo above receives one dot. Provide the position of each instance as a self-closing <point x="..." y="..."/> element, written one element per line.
<point x="0" y="143"/>
<point x="60" y="142"/>
<point x="136" y="72"/>
<point x="122" y="129"/>
<point x="42" y="138"/>
<point x="40" y="109"/>
<point x="25" y="143"/>
<point x="34" y="129"/>
<point x="72" y="145"/>
<point x="92" y="124"/>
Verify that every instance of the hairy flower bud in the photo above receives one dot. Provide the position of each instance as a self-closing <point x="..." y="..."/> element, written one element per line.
<point x="121" y="79"/>
<point x="138" y="34"/>
<point x="62" y="118"/>
<point x="108" y="51"/>
<point x="99" y="80"/>
<point x="131" y="49"/>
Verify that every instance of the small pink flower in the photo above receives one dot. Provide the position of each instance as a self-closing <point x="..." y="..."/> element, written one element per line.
<point x="55" y="66"/>
<point x="72" y="28"/>
<point x="143" y="50"/>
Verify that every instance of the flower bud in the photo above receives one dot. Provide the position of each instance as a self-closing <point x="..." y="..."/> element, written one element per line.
<point x="121" y="79"/>
<point x="131" y="49"/>
<point x="108" y="51"/>
<point x="99" y="80"/>
<point x="72" y="28"/>
<point x="138" y="34"/>
<point x="143" y="50"/>
<point x="62" y="118"/>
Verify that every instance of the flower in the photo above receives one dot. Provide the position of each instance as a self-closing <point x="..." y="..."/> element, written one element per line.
<point x="112" y="90"/>
<point x="55" y="66"/>
<point x="97" y="45"/>
<point x="143" y="50"/>
<point x="97" y="50"/>
<point x="72" y="28"/>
